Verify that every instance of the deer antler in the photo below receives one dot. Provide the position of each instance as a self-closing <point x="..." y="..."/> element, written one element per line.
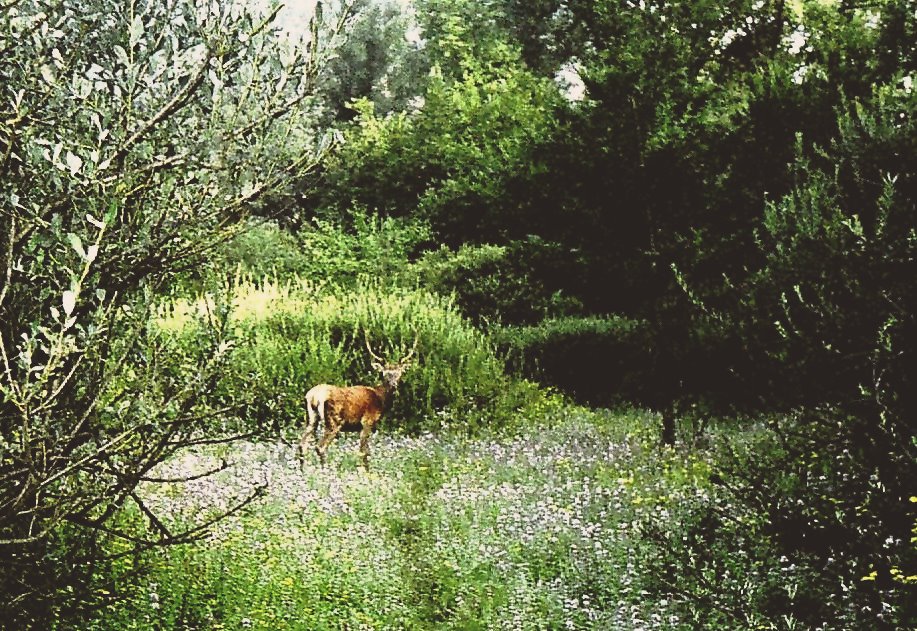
<point x="408" y="357"/>
<point x="374" y="356"/>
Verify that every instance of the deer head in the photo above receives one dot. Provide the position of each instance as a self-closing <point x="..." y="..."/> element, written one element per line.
<point x="391" y="371"/>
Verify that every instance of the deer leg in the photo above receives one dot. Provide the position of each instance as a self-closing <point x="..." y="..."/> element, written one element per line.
<point x="364" y="443"/>
<point x="308" y="436"/>
<point x="331" y="431"/>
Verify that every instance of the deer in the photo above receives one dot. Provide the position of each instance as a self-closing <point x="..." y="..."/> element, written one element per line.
<point x="352" y="408"/>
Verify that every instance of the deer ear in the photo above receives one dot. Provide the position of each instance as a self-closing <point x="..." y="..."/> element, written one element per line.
<point x="377" y="366"/>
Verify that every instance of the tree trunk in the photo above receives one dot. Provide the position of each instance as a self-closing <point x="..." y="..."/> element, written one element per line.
<point x="668" y="425"/>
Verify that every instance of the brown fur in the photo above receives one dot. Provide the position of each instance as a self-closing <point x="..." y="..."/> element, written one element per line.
<point x="350" y="408"/>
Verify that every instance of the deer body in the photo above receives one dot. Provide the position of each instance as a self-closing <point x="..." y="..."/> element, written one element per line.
<point x="351" y="408"/>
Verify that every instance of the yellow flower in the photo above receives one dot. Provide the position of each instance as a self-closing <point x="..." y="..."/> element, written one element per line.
<point x="899" y="577"/>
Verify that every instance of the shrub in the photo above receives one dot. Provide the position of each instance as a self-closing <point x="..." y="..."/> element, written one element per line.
<point x="513" y="284"/>
<point x="827" y="516"/>
<point x="601" y="360"/>
<point x="338" y="251"/>
<point x="295" y="335"/>
<point x="341" y="252"/>
<point x="262" y="250"/>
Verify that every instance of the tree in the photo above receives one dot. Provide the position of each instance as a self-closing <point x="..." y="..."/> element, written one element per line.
<point x="133" y="137"/>
<point x="547" y="32"/>
<point x="451" y="161"/>
<point x="660" y="177"/>
<point x="381" y="60"/>
<point x="649" y="177"/>
<point x="823" y="312"/>
<point x="835" y="303"/>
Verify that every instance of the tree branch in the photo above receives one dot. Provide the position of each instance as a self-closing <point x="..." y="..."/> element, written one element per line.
<point x="223" y="466"/>
<point x="154" y="520"/>
<point x="175" y="103"/>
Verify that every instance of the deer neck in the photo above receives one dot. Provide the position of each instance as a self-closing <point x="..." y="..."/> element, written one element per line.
<point x="386" y="394"/>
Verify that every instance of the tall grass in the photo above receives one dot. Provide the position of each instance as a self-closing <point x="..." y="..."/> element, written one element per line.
<point x="291" y="335"/>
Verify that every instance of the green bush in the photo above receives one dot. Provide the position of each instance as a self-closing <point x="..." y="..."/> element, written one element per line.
<point x="786" y="537"/>
<point x="343" y="251"/>
<point x="263" y="250"/>
<point x="830" y="314"/>
<point x="513" y="284"/>
<point x="601" y="360"/>
<point x="292" y="336"/>
<point x="340" y="252"/>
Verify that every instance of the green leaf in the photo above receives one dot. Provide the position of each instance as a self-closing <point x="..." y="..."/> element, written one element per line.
<point x="47" y="73"/>
<point x="74" y="163"/>
<point x="136" y="30"/>
<point x="110" y="214"/>
<point x="122" y="55"/>
<point x="68" y="300"/>
<point x="77" y="244"/>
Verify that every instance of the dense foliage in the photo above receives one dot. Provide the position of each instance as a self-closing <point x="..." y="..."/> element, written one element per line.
<point x="705" y="209"/>
<point x="134" y="137"/>
<point x="728" y="213"/>
<point x="290" y="335"/>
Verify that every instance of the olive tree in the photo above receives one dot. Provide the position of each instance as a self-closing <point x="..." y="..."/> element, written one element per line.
<point x="134" y="136"/>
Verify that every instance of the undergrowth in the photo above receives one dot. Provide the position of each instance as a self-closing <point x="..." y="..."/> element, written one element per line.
<point x="534" y="528"/>
<point x="288" y="335"/>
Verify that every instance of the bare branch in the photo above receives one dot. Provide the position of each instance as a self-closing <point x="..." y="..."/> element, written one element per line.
<point x="192" y="534"/>
<point x="166" y="162"/>
<point x="9" y="5"/>
<point x="31" y="538"/>
<point x="223" y="466"/>
<point x="154" y="520"/>
<point x="96" y="454"/>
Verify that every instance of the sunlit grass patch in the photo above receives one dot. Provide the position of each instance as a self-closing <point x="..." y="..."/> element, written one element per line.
<point x="288" y="335"/>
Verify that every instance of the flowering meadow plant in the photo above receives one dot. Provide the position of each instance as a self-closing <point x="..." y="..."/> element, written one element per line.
<point x="546" y="528"/>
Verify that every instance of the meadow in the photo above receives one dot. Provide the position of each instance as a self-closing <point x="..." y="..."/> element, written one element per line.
<point x="537" y="527"/>
<point x="491" y="502"/>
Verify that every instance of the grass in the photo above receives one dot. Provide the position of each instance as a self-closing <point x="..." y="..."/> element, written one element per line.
<point x="492" y="503"/>
<point x="292" y="333"/>
<point x="536" y="528"/>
